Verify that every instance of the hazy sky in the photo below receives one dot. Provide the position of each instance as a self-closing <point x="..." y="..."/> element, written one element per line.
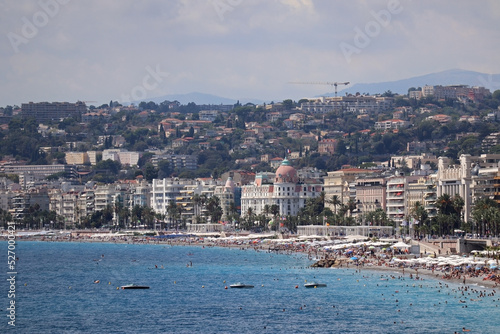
<point x="69" y="50"/>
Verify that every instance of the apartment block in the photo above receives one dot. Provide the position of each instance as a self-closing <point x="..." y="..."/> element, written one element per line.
<point x="55" y="111"/>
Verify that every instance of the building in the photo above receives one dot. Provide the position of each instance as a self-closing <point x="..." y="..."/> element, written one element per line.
<point x="282" y="189"/>
<point x="177" y="161"/>
<point x="419" y="190"/>
<point x="208" y="115"/>
<point x="22" y="201"/>
<point x="391" y="124"/>
<point x="38" y="170"/>
<point x="228" y="200"/>
<point x="55" y="111"/>
<point x="337" y="183"/>
<point x="413" y="161"/>
<point x="164" y="191"/>
<point x="456" y="92"/>
<point x="327" y="146"/>
<point x="370" y="194"/>
<point x="359" y="104"/>
<point x="472" y="178"/>
<point x="491" y="140"/>
<point x="77" y="158"/>
<point x="396" y="204"/>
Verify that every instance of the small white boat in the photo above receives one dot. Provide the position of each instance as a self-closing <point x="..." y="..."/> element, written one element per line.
<point x="241" y="286"/>
<point x="315" y="285"/>
<point x="134" y="286"/>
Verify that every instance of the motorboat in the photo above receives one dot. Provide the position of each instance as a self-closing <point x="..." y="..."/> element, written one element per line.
<point x="315" y="285"/>
<point x="134" y="286"/>
<point x="241" y="286"/>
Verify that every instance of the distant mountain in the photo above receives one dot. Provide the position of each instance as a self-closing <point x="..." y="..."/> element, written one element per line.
<point x="449" y="77"/>
<point x="199" y="98"/>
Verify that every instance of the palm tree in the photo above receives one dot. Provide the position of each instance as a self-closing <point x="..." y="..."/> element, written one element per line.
<point x="485" y="214"/>
<point x="197" y="202"/>
<point x="171" y="211"/>
<point x="117" y="210"/>
<point x="249" y="219"/>
<point x="420" y="216"/>
<point x="351" y="206"/>
<point x="275" y="210"/>
<point x="267" y="209"/>
<point x="149" y="215"/>
<point x="179" y="216"/>
<point x="161" y="218"/>
<point x="214" y="209"/>
<point x="334" y="201"/>
<point x="125" y="215"/>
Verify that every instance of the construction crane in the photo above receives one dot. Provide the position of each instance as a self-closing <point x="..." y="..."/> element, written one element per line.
<point x="334" y="84"/>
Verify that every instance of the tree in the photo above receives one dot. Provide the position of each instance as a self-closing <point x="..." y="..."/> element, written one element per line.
<point x="164" y="169"/>
<point x="136" y="215"/>
<point x="150" y="172"/>
<point x="214" y="209"/>
<point x="351" y="206"/>
<point x="485" y="216"/>
<point x="172" y="213"/>
<point x="335" y="201"/>
<point x="288" y="104"/>
<point x="420" y="218"/>
<point x="449" y="213"/>
<point x="275" y="210"/>
<point x="197" y="200"/>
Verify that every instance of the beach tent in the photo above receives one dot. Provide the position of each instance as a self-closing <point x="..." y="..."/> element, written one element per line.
<point x="401" y="245"/>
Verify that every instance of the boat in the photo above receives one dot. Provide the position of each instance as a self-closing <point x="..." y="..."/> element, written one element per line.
<point x="134" y="286"/>
<point x="241" y="286"/>
<point x="315" y="285"/>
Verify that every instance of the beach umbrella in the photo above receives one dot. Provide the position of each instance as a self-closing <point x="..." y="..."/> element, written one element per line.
<point x="349" y="251"/>
<point x="354" y="258"/>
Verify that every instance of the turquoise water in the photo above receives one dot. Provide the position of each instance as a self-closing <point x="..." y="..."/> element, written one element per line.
<point x="55" y="293"/>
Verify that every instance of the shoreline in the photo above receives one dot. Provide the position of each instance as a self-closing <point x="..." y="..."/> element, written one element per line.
<point x="311" y="252"/>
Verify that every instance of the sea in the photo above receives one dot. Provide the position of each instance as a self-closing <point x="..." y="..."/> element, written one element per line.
<point x="74" y="288"/>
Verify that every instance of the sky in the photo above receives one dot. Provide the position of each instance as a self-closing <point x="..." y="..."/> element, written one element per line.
<point x="122" y="50"/>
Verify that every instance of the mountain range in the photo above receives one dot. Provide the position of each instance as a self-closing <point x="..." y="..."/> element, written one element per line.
<point x="444" y="78"/>
<point x="448" y="77"/>
<point x="200" y="98"/>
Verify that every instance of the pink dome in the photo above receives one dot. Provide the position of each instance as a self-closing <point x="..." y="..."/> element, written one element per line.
<point x="286" y="173"/>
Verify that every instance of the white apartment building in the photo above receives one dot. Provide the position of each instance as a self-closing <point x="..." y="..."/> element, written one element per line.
<point x="355" y="104"/>
<point x="396" y="203"/>
<point x="391" y="124"/>
<point x="164" y="191"/>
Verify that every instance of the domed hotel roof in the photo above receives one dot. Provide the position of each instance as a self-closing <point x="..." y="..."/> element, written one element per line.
<point x="286" y="173"/>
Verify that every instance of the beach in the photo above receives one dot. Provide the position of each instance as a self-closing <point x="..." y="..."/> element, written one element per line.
<point x="367" y="257"/>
